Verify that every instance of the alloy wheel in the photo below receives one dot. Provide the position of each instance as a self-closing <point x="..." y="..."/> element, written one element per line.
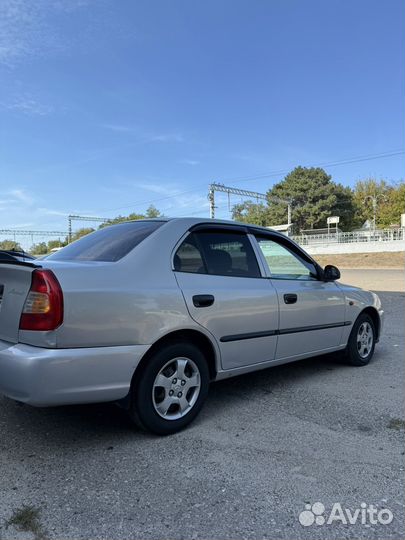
<point x="365" y="338"/>
<point x="176" y="388"/>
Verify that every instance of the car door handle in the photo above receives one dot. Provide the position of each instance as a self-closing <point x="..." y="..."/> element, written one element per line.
<point x="203" y="300"/>
<point x="290" y="298"/>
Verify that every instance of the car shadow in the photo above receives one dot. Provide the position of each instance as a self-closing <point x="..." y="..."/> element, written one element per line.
<point x="76" y="425"/>
<point x="104" y="424"/>
<point x="269" y="379"/>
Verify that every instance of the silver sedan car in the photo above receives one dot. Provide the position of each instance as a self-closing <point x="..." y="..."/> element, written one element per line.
<point x="148" y="312"/>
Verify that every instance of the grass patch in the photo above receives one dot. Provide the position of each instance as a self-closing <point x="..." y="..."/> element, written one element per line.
<point x="27" y="519"/>
<point x="396" y="423"/>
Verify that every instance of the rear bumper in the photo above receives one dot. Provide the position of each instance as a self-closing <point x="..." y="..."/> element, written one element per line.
<point x="44" y="377"/>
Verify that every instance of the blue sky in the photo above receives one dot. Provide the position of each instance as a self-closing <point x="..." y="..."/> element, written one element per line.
<point x="107" y="106"/>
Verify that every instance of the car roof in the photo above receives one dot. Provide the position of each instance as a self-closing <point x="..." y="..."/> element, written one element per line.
<point x="192" y="221"/>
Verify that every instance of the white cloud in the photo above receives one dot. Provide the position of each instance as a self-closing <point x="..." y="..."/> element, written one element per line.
<point x="179" y="200"/>
<point x="22" y="29"/>
<point x="158" y="188"/>
<point x="172" y="198"/>
<point x="19" y="204"/>
<point x="186" y="205"/>
<point x="165" y="137"/>
<point x="191" y="162"/>
<point x="21" y="195"/>
<point x="120" y="128"/>
<point x="50" y="212"/>
<point x="6" y="202"/>
<point x="144" y="135"/>
<point x="25" y="30"/>
<point x="21" y="225"/>
<point x="25" y="104"/>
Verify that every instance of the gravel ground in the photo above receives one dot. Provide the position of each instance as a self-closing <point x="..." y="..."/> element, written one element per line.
<point x="377" y="260"/>
<point x="265" y="445"/>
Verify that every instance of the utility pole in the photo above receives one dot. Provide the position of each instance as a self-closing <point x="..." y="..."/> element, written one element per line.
<point x="245" y="193"/>
<point x="211" y="198"/>
<point x="74" y="217"/>
<point x="374" y="199"/>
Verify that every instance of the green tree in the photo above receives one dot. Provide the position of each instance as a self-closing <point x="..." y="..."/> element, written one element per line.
<point x="365" y="192"/>
<point x="314" y="197"/>
<point x="152" y="212"/>
<point x="39" y="249"/>
<point x="389" y="200"/>
<point x="81" y="232"/>
<point x="10" y="245"/>
<point x="56" y="243"/>
<point x="121" y="219"/>
<point x="250" y="212"/>
<point x="390" y="213"/>
<point x="345" y="208"/>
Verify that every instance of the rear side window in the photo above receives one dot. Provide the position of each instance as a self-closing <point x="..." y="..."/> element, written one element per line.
<point x="109" y="244"/>
<point x="188" y="257"/>
<point x="218" y="253"/>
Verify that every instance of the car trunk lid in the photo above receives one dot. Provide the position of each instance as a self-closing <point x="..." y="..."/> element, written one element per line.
<point x="15" y="283"/>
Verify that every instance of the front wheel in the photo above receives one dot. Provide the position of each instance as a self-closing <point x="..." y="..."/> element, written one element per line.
<point x="171" y="389"/>
<point x="360" y="347"/>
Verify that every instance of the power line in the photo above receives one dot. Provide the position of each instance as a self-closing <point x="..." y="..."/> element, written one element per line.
<point x="24" y="232"/>
<point x="244" y="193"/>
<point x="74" y="217"/>
<point x="346" y="161"/>
<point x="88" y="218"/>
<point x="269" y="174"/>
<point x="155" y="200"/>
<point x="220" y="187"/>
<point x="200" y="211"/>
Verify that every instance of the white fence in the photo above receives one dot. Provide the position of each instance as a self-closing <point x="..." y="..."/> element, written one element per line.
<point x="378" y="235"/>
<point x="26" y="239"/>
<point x="353" y="242"/>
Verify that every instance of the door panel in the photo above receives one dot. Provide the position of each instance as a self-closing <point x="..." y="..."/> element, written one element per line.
<point x="312" y="311"/>
<point x="319" y="304"/>
<point x="225" y="292"/>
<point x="243" y="317"/>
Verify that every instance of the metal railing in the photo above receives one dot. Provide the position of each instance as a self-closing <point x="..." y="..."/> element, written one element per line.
<point x="377" y="235"/>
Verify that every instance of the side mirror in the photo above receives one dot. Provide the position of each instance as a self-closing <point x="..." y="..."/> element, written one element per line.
<point x="331" y="273"/>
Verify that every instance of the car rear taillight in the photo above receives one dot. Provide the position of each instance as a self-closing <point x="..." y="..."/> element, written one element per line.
<point x="43" y="308"/>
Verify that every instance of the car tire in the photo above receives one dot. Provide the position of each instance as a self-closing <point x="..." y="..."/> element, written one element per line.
<point x="360" y="347"/>
<point x="171" y="389"/>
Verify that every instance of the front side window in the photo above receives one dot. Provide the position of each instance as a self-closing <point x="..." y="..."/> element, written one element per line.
<point x="283" y="263"/>
<point x="217" y="253"/>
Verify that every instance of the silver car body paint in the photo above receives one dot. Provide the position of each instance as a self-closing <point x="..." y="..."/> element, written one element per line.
<point x="114" y="312"/>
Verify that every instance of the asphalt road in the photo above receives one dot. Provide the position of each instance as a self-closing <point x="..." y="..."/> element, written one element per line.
<point x="265" y="445"/>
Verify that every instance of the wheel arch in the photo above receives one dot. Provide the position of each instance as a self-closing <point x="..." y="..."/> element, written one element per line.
<point x="375" y="317"/>
<point x="189" y="335"/>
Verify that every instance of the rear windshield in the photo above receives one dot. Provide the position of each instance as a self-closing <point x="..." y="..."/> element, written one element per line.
<point x="109" y="244"/>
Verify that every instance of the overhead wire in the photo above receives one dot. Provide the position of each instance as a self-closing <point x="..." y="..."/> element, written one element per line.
<point x="269" y="174"/>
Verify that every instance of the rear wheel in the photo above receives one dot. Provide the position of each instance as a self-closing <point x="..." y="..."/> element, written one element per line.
<point x="171" y="389"/>
<point x="360" y="347"/>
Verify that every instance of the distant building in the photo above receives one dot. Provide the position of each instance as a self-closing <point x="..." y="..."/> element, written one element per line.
<point x="286" y="228"/>
<point x="367" y="225"/>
